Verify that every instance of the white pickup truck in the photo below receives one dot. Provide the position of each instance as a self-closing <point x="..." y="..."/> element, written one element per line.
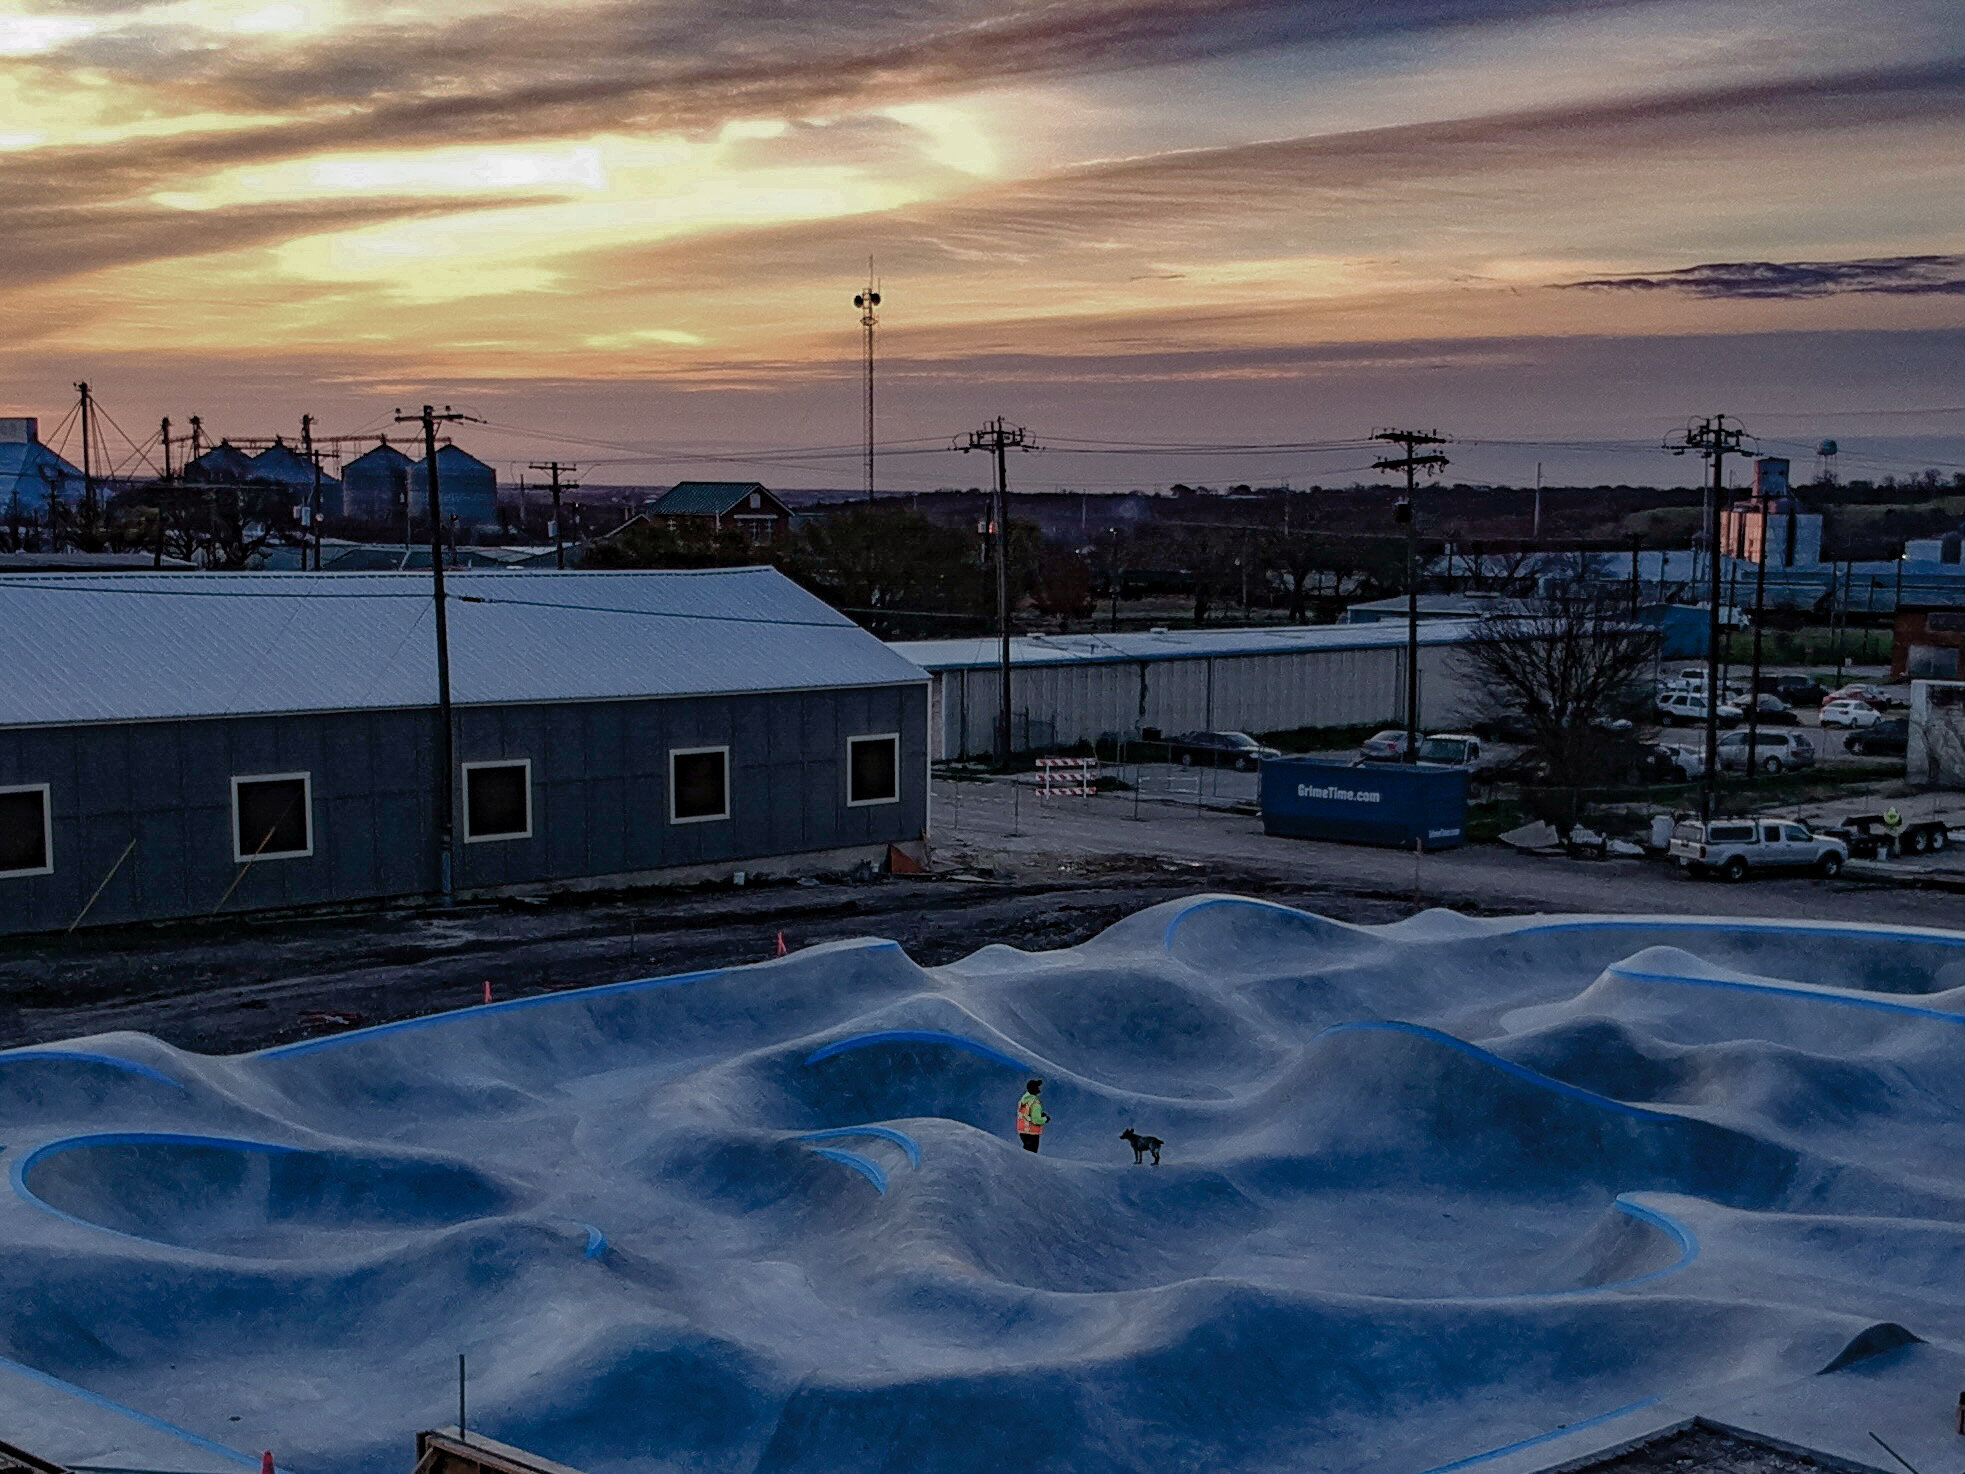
<point x="1735" y="848"/>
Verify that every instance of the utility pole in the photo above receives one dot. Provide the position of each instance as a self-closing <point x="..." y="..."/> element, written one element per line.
<point x="866" y="301"/>
<point x="1715" y="439"/>
<point x="163" y="489"/>
<point x="314" y="506"/>
<point x="446" y="746"/>
<point x="1536" y="530"/>
<point x="1412" y="463"/>
<point x="91" y="510"/>
<point x="559" y="528"/>
<point x="998" y="438"/>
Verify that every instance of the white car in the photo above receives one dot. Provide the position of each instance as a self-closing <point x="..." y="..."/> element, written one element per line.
<point x="1688" y="708"/>
<point x="1849" y="714"/>
<point x="1773" y="752"/>
<point x="1450" y="750"/>
<point x="1735" y="848"/>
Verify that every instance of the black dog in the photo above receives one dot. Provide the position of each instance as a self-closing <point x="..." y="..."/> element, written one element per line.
<point x="1141" y="1145"/>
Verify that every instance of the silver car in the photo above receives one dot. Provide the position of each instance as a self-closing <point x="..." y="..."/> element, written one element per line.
<point x="1770" y="752"/>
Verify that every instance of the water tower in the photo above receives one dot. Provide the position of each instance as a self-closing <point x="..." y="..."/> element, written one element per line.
<point x="1825" y="454"/>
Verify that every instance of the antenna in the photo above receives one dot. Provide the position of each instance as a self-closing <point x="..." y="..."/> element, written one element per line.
<point x="866" y="301"/>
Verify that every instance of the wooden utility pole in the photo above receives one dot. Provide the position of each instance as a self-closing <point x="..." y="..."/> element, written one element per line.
<point x="1412" y="463"/>
<point x="447" y="737"/>
<point x="1715" y="439"/>
<point x="559" y="528"/>
<point x="998" y="438"/>
<point x="163" y="489"/>
<point x="314" y="506"/>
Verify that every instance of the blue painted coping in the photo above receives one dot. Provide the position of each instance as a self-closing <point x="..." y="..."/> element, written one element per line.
<point x="513" y="1005"/>
<point x="1174" y="921"/>
<point x="865" y="1166"/>
<point x="77" y="1056"/>
<point x="1598" y="1421"/>
<point x="19" y="1369"/>
<point x="596" y="1240"/>
<point x="914" y="1036"/>
<point x="1506" y="1066"/>
<point x="886" y="1133"/>
<point x="26" y="1161"/>
<point x="1688" y="1243"/>
<point x="1789" y="990"/>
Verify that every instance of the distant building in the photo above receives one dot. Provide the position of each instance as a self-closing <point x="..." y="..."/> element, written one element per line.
<point x="1944" y="549"/>
<point x="468" y="487"/>
<point x="1770" y="524"/>
<point x="1927" y="640"/>
<point x="223" y="465"/>
<point x="748" y="506"/>
<point x="283" y="466"/>
<point x="30" y="472"/>
<point x="375" y="485"/>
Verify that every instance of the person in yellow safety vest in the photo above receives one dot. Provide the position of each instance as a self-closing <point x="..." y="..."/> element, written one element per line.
<point x="1032" y="1118"/>
<point x="1893" y="825"/>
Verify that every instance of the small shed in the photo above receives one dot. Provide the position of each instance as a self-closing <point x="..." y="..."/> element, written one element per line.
<point x="748" y="506"/>
<point x="1927" y="639"/>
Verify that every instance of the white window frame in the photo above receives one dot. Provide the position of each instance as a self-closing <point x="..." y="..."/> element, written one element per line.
<point x="307" y="801"/>
<point x="867" y="803"/>
<point x="497" y="762"/>
<point x="676" y="752"/>
<point x="47" y="830"/>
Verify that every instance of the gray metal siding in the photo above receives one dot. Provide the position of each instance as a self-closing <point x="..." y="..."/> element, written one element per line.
<point x="600" y="800"/>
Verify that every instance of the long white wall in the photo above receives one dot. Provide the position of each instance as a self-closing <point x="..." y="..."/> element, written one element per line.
<point x="1253" y="693"/>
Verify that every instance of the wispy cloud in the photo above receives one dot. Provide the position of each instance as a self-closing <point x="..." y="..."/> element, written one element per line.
<point x="1893" y="276"/>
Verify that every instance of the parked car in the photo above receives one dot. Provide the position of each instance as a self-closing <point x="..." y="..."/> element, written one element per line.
<point x="1735" y="848"/>
<point x="1771" y="752"/>
<point x="1888" y="738"/>
<point x="1383" y="747"/>
<point x="1660" y="762"/>
<point x="1796" y="690"/>
<point x="1770" y="710"/>
<point x="1450" y="750"/>
<point x="1219" y="750"/>
<point x="1872" y="696"/>
<point x="1849" y="714"/>
<point x="1688" y="708"/>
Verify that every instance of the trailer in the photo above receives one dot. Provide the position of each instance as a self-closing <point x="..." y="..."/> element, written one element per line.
<point x="1869" y="837"/>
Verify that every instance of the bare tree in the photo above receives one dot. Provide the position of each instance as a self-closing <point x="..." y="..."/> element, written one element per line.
<point x="1564" y="663"/>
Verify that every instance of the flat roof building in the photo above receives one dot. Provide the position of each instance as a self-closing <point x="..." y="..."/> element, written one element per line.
<point x="272" y="740"/>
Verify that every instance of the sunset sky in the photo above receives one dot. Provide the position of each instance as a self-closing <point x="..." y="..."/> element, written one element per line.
<point x="1551" y="228"/>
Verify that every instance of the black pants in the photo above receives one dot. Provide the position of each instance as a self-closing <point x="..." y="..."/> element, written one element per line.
<point x="1029" y="1140"/>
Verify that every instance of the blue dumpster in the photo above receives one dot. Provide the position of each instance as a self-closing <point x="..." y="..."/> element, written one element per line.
<point x="1365" y="803"/>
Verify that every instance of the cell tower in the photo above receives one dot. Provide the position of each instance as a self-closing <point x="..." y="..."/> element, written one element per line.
<point x="866" y="301"/>
<point x="1825" y="454"/>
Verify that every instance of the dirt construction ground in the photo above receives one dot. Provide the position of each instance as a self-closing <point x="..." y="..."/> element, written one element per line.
<point x="1010" y="869"/>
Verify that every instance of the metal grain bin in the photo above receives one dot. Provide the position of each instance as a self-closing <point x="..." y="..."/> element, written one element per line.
<point x="1365" y="803"/>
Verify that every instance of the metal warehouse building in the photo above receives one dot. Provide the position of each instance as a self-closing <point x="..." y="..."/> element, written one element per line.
<point x="1067" y="689"/>
<point x="171" y="745"/>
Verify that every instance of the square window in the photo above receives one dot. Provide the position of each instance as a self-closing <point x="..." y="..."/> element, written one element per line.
<point x="272" y="817"/>
<point x="699" y="784"/>
<point x="26" y="845"/>
<point x="873" y="769"/>
<point x="497" y="801"/>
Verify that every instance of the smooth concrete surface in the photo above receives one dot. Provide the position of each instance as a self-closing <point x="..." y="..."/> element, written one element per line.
<point x="1450" y="1193"/>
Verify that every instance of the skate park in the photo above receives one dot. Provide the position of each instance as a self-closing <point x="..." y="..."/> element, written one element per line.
<point x="1445" y="1193"/>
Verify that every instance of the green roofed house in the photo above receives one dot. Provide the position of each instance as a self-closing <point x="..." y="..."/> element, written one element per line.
<point x="747" y="506"/>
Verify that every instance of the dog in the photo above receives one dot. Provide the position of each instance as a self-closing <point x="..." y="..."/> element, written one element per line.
<point x="1141" y="1145"/>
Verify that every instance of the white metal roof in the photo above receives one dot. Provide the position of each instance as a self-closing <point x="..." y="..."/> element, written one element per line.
<point x="143" y="647"/>
<point x="1176" y="644"/>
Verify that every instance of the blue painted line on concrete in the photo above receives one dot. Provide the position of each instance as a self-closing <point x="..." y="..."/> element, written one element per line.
<point x="144" y="1419"/>
<point x="1506" y="1066"/>
<point x="128" y="1066"/>
<point x="1550" y="1437"/>
<point x="514" y="1005"/>
<point x="865" y="1166"/>
<point x="26" y="1162"/>
<point x="1688" y="1243"/>
<point x="1928" y="935"/>
<point x="1174" y="921"/>
<point x="913" y="1036"/>
<point x="1789" y="990"/>
<point x="886" y="1133"/>
<point x="596" y="1241"/>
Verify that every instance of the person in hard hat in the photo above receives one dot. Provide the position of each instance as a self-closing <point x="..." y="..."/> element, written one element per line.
<point x="1032" y="1118"/>
<point x="1893" y="825"/>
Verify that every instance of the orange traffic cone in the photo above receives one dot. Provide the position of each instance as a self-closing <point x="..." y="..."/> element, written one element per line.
<point x="487" y="999"/>
<point x="782" y="948"/>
